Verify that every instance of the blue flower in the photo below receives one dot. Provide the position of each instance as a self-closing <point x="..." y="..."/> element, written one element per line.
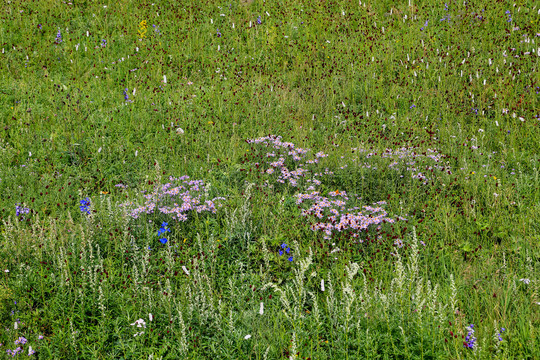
<point x="290" y="259"/>
<point x="283" y="246"/>
<point x="280" y="252"/>
<point x="85" y="205"/>
<point x="287" y="250"/>
<point x="162" y="230"/>
<point x="218" y="33"/>
<point x="259" y="21"/>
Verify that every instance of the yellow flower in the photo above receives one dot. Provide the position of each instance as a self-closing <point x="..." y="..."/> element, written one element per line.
<point x="495" y="177"/>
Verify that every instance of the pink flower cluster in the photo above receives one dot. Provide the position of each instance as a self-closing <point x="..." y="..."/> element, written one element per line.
<point x="332" y="213"/>
<point x="177" y="198"/>
<point x="287" y="171"/>
<point x="335" y="217"/>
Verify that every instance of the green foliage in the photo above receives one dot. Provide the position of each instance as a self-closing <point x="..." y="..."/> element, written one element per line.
<point x="426" y="109"/>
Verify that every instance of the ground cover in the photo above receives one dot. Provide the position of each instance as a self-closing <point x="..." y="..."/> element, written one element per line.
<point x="265" y="180"/>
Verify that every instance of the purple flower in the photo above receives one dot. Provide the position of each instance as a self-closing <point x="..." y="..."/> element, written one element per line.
<point x="422" y="28"/>
<point x="21" y="340"/>
<point x="58" y="37"/>
<point x="19" y="210"/>
<point x="103" y="43"/>
<point x="218" y="33"/>
<point x="470" y="339"/>
<point x="39" y="26"/>
<point x="412" y="106"/>
<point x="259" y="21"/>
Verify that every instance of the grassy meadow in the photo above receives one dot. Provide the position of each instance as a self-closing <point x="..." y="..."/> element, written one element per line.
<point x="270" y="179"/>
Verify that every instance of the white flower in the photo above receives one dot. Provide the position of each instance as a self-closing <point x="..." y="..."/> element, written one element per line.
<point x="139" y="323"/>
<point x="150" y="316"/>
<point x="261" y="309"/>
<point x="179" y="131"/>
<point x="185" y="270"/>
<point x="15" y="326"/>
<point x="526" y="281"/>
<point x="6" y="271"/>
<point x="247" y="336"/>
<point x="322" y="284"/>
<point x="481" y="130"/>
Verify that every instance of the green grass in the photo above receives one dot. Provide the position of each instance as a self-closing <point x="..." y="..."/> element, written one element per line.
<point x="434" y="121"/>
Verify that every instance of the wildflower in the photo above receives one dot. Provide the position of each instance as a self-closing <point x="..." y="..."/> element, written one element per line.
<point x="39" y="26"/>
<point x="412" y="106"/>
<point x="470" y="339"/>
<point x="31" y="351"/>
<point x="58" y="37"/>
<point x="126" y="96"/>
<point x="259" y="21"/>
<point x="21" y="340"/>
<point x="40" y="337"/>
<point x="525" y="281"/>
<point x="162" y="230"/>
<point x="218" y="33"/>
<point x="280" y="252"/>
<point x="85" y="206"/>
<point x="151" y="317"/>
<point x="290" y="258"/>
<point x="261" y="309"/>
<point x="425" y="25"/>
<point x="180" y="131"/>
<point x="139" y="323"/>
<point x="185" y="270"/>
<point x="103" y="43"/>
<point x="322" y="285"/>
<point x="19" y="210"/>
<point x="247" y="337"/>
